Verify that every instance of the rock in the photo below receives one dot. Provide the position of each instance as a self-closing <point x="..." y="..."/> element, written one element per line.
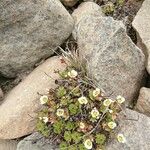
<point x="136" y="129"/>
<point x="143" y="102"/>
<point x="114" y="61"/>
<point x="142" y="25"/>
<point x="20" y="107"/>
<point x="1" y="94"/>
<point x="34" y="142"/>
<point x="30" y="30"/>
<point x="8" y="144"/>
<point x="69" y="3"/>
<point x="85" y="9"/>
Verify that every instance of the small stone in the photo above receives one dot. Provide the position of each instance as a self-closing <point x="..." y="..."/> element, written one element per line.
<point x="143" y="102"/>
<point x="21" y="106"/>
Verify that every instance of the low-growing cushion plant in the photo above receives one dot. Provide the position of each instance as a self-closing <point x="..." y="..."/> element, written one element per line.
<point x="77" y="115"/>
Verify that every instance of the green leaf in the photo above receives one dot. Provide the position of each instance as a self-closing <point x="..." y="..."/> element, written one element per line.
<point x="100" y="139"/>
<point x="76" y="136"/>
<point x="91" y="94"/>
<point x="63" y="74"/>
<point x="73" y="109"/>
<point x="109" y="117"/>
<point x="81" y="147"/>
<point x="76" y="91"/>
<point x="61" y="91"/>
<point x="70" y="125"/>
<point x="58" y="126"/>
<point x="73" y="147"/>
<point x="63" y="145"/>
<point x="67" y="136"/>
<point x="102" y="108"/>
<point x="42" y="128"/>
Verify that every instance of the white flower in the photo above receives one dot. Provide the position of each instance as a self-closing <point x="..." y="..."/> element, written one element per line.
<point x="121" y="138"/>
<point x="95" y="113"/>
<point x="60" y="112"/>
<point x="120" y="99"/>
<point x="44" y="99"/>
<point x="107" y="102"/>
<point x="82" y="125"/>
<point x="96" y="92"/>
<point x="110" y="111"/>
<point x="40" y="118"/>
<point x="112" y="125"/>
<point x="83" y="100"/>
<point x="88" y="144"/>
<point x="45" y="119"/>
<point x="72" y="73"/>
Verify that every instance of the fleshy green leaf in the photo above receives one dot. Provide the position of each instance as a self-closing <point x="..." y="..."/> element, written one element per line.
<point x="58" y="127"/>
<point x="67" y="136"/>
<point x="100" y="139"/>
<point x="76" y="136"/>
<point x="61" y="91"/>
<point x="73" y="109"/>
<point x="63" y="145"/>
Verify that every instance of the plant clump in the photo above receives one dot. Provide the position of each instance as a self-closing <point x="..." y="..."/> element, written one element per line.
<point x="77" y="115"/>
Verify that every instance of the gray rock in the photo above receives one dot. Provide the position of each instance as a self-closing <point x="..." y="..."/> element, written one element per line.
<point x="29" y="31"/>
<point x="86" y="9"/>
<point x="21" y="106"/>
<point x="143" y="102"/>
<point x="114" y="61"/>
<point x="34" y="142"/>
<point x="136" y="128"/>
<point x="8" y="144"/>
<point x="141" y="24"/>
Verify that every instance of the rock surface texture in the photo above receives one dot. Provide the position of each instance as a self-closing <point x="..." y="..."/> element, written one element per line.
<point x="85" y="9"/>
<point x="20" y="107"/>
<point x="114" y="61"/>
<point x="34" y="142"/>
<point x="141" y="24"/>
<point x="29" y="31"/>
<point x="8" y="144"/>
<point x="136" y="128"/>
<point x="143" y="102"/>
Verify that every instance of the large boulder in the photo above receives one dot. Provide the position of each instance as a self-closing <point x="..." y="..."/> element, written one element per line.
<point x="113" y="59"/>
<point x="143" y="102"/>
<point x="136" y="128"/>
<point x="20" y="107"/>
<point x="141" y="24"/>
<point x="30" y="30"/>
